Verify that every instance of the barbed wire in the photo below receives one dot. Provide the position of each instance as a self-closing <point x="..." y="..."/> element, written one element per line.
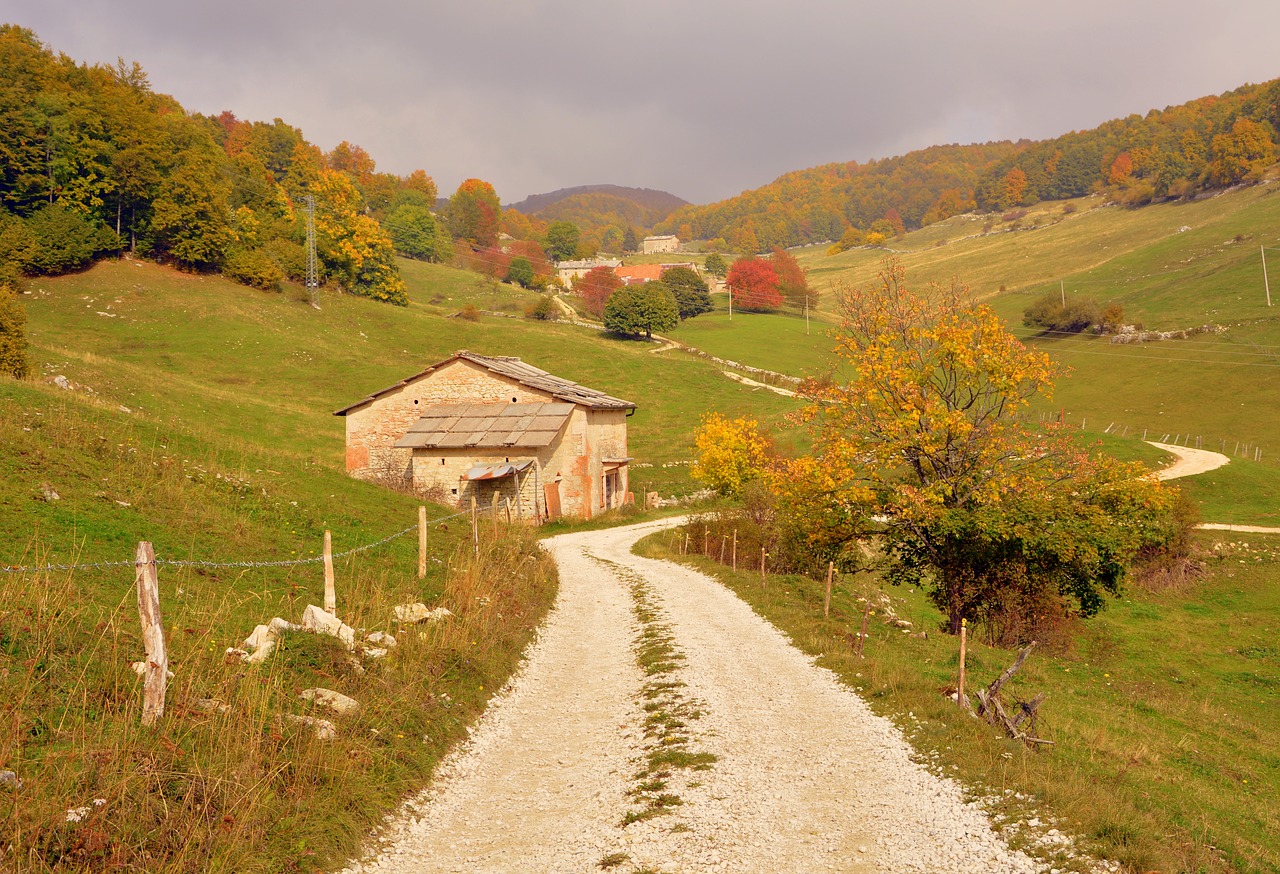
<point x="195" y="563"/>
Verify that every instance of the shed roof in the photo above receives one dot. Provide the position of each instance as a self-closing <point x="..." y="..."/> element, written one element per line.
<point x="517" y="370"/>
<point x="498" y="426"/>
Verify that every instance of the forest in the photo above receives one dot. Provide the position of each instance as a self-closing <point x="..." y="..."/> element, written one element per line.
<point x="1205" y="144"/>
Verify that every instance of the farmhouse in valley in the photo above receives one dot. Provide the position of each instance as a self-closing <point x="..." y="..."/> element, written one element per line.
<point x="484" y="427"/>
<point x="662" y="243"/>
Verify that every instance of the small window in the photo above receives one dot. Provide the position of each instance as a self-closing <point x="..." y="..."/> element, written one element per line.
<point x="455" y="491"/>
<point x="442" y="461"/>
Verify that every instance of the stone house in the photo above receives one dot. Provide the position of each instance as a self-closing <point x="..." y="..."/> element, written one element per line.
<point x="494" y="427"/>
<point x="571" y="271"/>
<point x="661" y="243"/>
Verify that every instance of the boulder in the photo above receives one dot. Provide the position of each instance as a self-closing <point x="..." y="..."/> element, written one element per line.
<point x="335" y="701"/>
<point x="321" y="622"/>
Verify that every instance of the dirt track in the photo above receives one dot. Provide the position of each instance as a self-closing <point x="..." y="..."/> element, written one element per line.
<point x="807" y="778"/>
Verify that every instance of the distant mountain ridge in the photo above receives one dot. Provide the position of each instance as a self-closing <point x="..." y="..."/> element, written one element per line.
<point x="648" y="198"/>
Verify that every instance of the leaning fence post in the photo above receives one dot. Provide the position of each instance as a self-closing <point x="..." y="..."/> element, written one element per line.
<point x="330" y="597"/>
<point x="422" y="541"/>
<point x="826" y="602"/>
<point x="155" y="672"/>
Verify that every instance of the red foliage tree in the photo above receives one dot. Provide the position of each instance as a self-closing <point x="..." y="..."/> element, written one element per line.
<point x="596" y="287"/>
<point x="754" y="284"/>
<point x="474" y="213"/>
<point x="792" y="282"/>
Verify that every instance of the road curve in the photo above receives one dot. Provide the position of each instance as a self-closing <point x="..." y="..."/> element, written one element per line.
<point x="807" y="779"/>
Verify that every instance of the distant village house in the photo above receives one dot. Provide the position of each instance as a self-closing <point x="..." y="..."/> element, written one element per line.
<point x="664" y="243"/>
<point x="570" y="271"/>
<point x="494" y="427"/>
<point x="638" y="274"/>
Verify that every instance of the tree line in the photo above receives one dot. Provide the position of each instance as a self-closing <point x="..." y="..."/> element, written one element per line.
<point x="1205" y="144"/>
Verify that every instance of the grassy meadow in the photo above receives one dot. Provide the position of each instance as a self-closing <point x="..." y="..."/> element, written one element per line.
<point x="1162" y="709"/>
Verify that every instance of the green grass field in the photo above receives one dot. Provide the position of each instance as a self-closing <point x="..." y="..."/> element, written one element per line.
<point x="1162" y="711"/>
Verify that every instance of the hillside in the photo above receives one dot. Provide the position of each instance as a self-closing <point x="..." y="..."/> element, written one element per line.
<point x="1205" y="144"/>
<point x="646" y="200"/>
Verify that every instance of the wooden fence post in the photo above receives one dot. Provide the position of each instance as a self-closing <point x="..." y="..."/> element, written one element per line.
<point x="705" y="535"/>
<point x="763" y="556"/>
<point x="508" y="511"/>
<point x="422" y="541"/>
<point x="475" y="526"/>
<point x="330" y="596"/>
<point x="735" y="549"/>
<point x="724" y="538"/>
<point x="826" y="602"/>
<point x="155" y="673"/>
<point x="493" y="510"/>
<point x="961" y="698"/>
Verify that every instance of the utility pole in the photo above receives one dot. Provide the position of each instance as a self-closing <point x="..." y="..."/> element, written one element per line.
<point x="1265" y="282"/>
<point x="730" y="304"/>
<point x="313" y="272"/>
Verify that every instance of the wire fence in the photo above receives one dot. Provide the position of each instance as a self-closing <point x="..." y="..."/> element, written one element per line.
<point x="193" y="563"/>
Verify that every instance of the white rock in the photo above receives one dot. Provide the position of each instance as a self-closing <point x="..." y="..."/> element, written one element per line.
<point x="325" y="730"/>
<point x="419" y="612"/>
<point x="381" y="638"/>
<point x="140" y="668"/>
<point x="317" y="620"/>
<point x="335" y="701"/>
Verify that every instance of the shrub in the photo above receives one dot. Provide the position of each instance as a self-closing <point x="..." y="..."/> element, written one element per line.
<point x="253" y="267"/>
<point x="470" y="313"/>
<point x="543" y="309"/>
<point x="13" y="335"/>
<point x="1049" y="314"/>
<point x="1112" y="319"/>
<point x="66" y="240"/>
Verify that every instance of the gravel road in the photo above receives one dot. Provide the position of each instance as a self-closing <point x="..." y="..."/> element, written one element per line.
<point x="806" y="779"/>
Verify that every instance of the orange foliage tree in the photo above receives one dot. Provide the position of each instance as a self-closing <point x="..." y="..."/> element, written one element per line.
<point x="792" y="282"/>
<point x="474" y="213"/>
<point x="996" y="518"/>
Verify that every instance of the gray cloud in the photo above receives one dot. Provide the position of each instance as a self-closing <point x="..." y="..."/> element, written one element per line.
<point x="703" y="99"/>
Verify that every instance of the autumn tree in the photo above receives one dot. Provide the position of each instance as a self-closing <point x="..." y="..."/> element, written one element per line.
<point x="596" y="286"/>
<point x="1243" y="153"/>
<point x="474" y="213"/>
<point x="729" y="453"/>
<point x="415" y="233"/>
<point x="753" y="283"/>
<point x="561" y="241"/>
<point x="640" y="310"/>
<point x="1013" y="188"/>
<point x="1003" y="523"/>
<point x="690" y="291"/>
<point x="520" y="271"/>
<point x="792" y="281"/>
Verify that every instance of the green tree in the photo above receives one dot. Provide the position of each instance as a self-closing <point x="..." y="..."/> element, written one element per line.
<point x="561" y="241"/>
<point x="629" y="241"/>
<point x="18" y="249"/>
<point x="415" y="234"/>
<point x="520" y="272"/>
<point x="690" y="291"/>
<point x="639" y="310"/>
<point x="716" y="265"/>
<point x="474" y="213"/>
<point x="13" y="336"/>
<point x="191" y="214"/>
<point x="1004" y="523"/>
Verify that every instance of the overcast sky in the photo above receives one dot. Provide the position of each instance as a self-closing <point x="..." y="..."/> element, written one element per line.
<point x="702" y="98"/>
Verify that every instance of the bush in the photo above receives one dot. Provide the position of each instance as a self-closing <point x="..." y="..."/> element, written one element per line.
<point x="13" y="335"/>
<point x="253" y="267"/>
<point x="1049" y="314"/>
<point x="543" y="309"/>
<point x="470" y="313"/>
<point x="291" y="258"/>
<point x="66" y="240"/>
<point x="520" y="272"/>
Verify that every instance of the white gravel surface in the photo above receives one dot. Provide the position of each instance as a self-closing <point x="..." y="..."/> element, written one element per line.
<point x="807" y="778"/>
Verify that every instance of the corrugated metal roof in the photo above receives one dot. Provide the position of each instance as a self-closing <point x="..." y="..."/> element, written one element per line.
<point x="487" y="425"/>
<point x="515" y="369"/>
